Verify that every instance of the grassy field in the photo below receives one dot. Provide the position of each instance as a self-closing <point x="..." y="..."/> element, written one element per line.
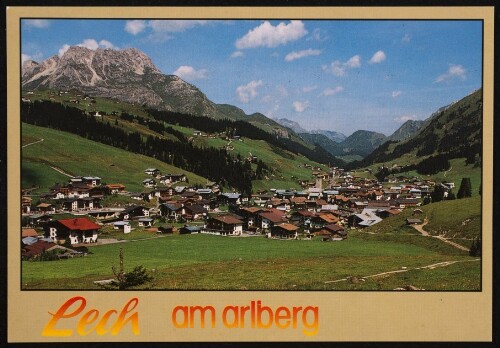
<point x="78" y="156"/>
<point x="256" y="263"/>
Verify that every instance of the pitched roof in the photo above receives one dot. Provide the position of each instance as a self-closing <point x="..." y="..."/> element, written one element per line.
<point x="227" y="219"/>
<point x="79" y="224"/>
<point x="288" y="227"/>
<point x="271" y="216"/>
<point x="329" y="218"/>
<point x="28" y="232"/>
<point x="37" y="248"/>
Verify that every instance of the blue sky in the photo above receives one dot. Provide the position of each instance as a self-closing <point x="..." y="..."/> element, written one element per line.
<point x="336" y="75"/>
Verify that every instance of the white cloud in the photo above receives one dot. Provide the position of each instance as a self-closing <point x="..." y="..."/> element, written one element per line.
<point x="354" y="62"/>
<point x="340" y="69"/>
<point x="162" y="29"/>
<point x="455" y="71"/>
<point x="406" y="38"/>
<point x="300" y="106"/>
<point x="249" y="91"/>
<point x="91" y="44"/>
<point x="301" y="54"/>
<point x="332" y="91"/>
<point x="107" y="44"/>
<point x="237" y="54"/>
<point x="317" y="35"/>
<point x="308" y="89"/>
<point x="267" y="35"/>
<point x="404" y="118"/>
<point x="37" y="23"/>
<point x="63" y="49"/>
<point x="396" y="94"/>
<point x="189" y="73"/>
<point x="135" y="27"/>
<point x="25" y="57"/>
<point x="378" y="57"/>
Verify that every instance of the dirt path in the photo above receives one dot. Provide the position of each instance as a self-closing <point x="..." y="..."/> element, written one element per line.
<point x="35" y="142"/>
<point x="458" y="246"/>
<point x="420" y="228"/>
<point x="433" y="266"/>
<point x="447" y="171"/>
<point x="59" y="170"/>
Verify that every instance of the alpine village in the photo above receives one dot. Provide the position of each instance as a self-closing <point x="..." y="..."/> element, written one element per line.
<point x="122" y="164"/>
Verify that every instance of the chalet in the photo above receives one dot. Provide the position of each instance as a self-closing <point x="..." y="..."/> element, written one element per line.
<point x="365" y="219"/>
<point x="77" y="230"/>
<point x="189" y="229"/>
<point x="204" y="193"/>
<point x="269" y="219"/>
<point x="44" y="208"/>
<point x="249" y="215"/>
<point x="381" y="205"/>
<point x="386" y="213"/>
<point x="226" y="225"/>
<point x="302" y="217"/>
<point x="26" y="204"/>
<point x="166" y="229"/>
<point x="122" y="225"/>
<point x="413" y="221"/>
<point x="229" y="198"/>
<point x="337" y="232"/>
<point x="36" y="249"/>
<point x="284" y="231"/>
<point x="145" y="222"/>
<point x="172" y="211"/>
<point x="91" y="180"/>
<point x="134" y="211"/>
<point x="152" y="171"/>
<point x="196" y="133"/>
<point x="163" y="192"/>
<point x="298" y="202"/>
<point x="168" y="179"/>
<point x="104" y="213"/>
<point x="115" y="188"/>
<point x="77" y="204"/>
<point x="320" y="221"/>
<point x="39" y="219"/>
<point x="149" y="183"/>
<point x="194" y="212"/>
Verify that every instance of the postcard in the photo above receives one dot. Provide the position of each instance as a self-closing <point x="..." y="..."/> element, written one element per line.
<point x="245" y="174"/>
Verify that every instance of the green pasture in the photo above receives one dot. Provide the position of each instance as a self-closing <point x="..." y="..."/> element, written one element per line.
<point x="204" y="262"/>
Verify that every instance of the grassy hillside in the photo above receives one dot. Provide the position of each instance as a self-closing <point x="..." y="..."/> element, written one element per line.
<point x="458" y="220"/>
<point x="78" y="156"/>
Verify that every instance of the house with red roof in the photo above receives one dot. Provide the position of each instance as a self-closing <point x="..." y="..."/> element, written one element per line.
<point x="77" y="230"/>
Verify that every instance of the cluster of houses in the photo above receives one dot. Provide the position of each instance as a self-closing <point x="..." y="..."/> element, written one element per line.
<point x="347" y="202"/>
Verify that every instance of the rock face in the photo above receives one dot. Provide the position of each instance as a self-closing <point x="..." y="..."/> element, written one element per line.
<point x="407" y="130"/>
<point x="127" y="75"/>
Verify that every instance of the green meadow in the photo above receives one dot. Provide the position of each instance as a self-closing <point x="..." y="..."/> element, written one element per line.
<point x="207" y="262"/>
